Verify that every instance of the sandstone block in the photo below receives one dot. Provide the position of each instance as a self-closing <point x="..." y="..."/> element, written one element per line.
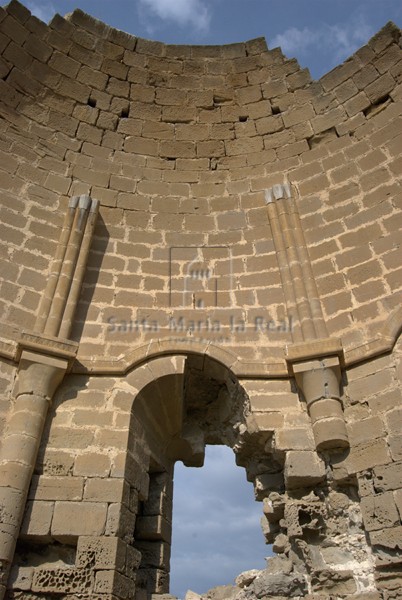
<point x="274" y="88"/>
<point x="365" y="430"/>
<point x="395" y="445"/>
<point x="92" y="465"/>
<point x="393" y="420"/>
<point x="380" y="87"/>
<point x="37" y="520"/>
<point x="106" y="490"/>
<point x="56" y="488"/>
<point x="14" y="30"/>
<point x="120" y="520"/>
<point x="153" y="528"/>
<point x="388" y="538"/>
<point x="303" y="469"/>
<point x="388" y="477"/>
<point x="107" y="552"/>
<point x="340" y="74"/>
<point x="154" y="554"/>
<point x="21" y="578"/>
<point x="64" y="64"/>
<point x="74" y="519"/>
<point x="357" y="104"/>
<point x="297" y="438"/>
<point x="113" y="582"/>
<point x="379" y="511"/>
<point x="299" y="114"/>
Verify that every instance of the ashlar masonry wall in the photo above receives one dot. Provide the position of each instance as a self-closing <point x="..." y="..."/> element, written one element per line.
<point x="240" y="285"/>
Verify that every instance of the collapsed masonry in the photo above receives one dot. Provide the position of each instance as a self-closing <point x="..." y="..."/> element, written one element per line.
<point x="240" y="285"/>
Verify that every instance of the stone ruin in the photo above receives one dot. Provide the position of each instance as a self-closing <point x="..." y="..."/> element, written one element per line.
<point x="199" y="245"/>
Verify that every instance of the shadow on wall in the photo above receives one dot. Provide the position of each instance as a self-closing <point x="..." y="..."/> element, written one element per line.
<point x="94" y="280"/>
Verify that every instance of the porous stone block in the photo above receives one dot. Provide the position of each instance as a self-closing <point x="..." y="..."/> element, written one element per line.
<point x="388" y="477"/>
<point x="379" y="511"/>
<point x="388" y="538"/>
<point x="62" y="580"/>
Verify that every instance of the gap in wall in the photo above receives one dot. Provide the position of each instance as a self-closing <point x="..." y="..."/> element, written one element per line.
<point x="216" y="524"/>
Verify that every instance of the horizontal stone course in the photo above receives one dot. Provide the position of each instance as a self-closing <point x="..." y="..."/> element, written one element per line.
<point x="179" y="145"/>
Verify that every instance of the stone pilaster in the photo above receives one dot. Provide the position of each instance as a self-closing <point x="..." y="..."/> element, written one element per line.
<point x="38" y="377"/>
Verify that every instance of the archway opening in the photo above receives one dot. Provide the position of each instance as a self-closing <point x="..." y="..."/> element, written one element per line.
<point x="216" y="525"/>
<point x="184" y="405"/>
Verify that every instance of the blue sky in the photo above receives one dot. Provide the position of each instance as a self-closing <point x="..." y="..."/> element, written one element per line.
<point x="216" y="532"/>
<point x="319" y="33"/>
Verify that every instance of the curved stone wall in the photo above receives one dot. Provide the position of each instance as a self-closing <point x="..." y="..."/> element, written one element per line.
<point x="179" y="144"/>
<point x="225" y="168"/>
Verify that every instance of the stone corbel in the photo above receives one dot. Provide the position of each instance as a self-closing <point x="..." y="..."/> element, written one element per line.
<point x="46" y="345"/>
<point x="316" y="367"/>
<point x="39" y="375"/>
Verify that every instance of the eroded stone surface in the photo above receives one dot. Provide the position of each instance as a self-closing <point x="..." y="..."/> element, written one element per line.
<point x="180" y="145"/>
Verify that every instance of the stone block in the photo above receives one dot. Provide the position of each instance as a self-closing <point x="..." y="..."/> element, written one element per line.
<point x="368" y="455"/>
<point x="297" y="438"/>
<point x="64" y="64"/>
<point x="330" y="119"/>
<point x="14" y="30"/>
<point x="365" y="430"/>
<point x="393" y="420"/>
<point x="388" y="477"/>
<point x="395" y="446"/>
<point x="303" y="469"/>
<point x="327" y="581"/>
<point x="21" y="578"/>
<point x="62" y="580"/>
<point x="380" y="87"/>
<point x="388" y="538"/>
<point x="120" y="521"/>
<point x="154" y="554"/>
<point x="108" y="582"/>
<point x="155" y="580"/>
<point x="357" y="104"/>
<point x="101" y="552"/>
<point x="153" y="528"/>
<point x="73" y="519"/>
<point x="379" y="511"/>
<point x="92" y="465"/>
<point x="56" y="488"/>
<point x="37" y="520"/>
<point x="106" y="490"/>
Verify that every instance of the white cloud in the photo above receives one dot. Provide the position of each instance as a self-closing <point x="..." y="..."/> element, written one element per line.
<point x="295" y="40"/>
<point x="338" y="41"/>
<point x="193" y="13"/>
<point x="216" y="524"/>
<point x="45" y="11"/>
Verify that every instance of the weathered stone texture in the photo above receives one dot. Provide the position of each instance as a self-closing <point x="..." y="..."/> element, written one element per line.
<point x="180" y="145"/>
